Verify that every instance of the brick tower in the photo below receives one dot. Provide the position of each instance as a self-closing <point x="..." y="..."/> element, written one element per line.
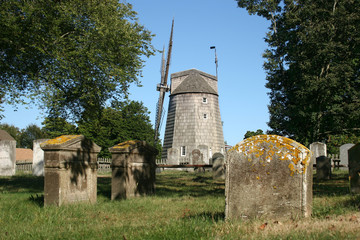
<point x="193" y="130"/>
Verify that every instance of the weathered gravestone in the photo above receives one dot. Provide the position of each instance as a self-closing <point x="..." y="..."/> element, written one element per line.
<point x="323" y="168"/>
<point x="133" y="169"/>
<point x="218" y="166"/>
<point x="196" y="157"/>
<point x="344" y="161"/>
<point x="70" y="170"/>
<point x="7" y="154"/>
<point x="204" y="152"/>
<point x="354" y="168"/>
<point x="172" y="157"/>
<point x="38" y="158"/>
<point x="268" y="176"/>
<point x="318" y="149"/>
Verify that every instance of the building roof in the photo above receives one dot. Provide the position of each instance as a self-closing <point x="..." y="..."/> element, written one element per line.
<point x="194" y="83"/>
<point x="5" y="135"/>
<point x="24" y="155"/>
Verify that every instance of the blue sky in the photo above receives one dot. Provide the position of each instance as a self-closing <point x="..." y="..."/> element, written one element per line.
<point x="199" y="24"/>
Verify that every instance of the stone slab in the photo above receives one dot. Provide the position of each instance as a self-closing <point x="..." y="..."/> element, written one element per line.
<point x="268" y="176"/>
<point x="323" y="168"/>
<point x="344" y="154"/>
<point x="38" y="158"/>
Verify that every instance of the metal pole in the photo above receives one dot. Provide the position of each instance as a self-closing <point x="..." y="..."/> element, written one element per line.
<point x="216" y="61"/>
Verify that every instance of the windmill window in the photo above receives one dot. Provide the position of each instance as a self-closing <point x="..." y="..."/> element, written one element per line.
<point x="183" y="151"/>
<point x="204" y="100"/>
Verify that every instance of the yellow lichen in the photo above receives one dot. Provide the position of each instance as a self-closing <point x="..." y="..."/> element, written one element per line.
<point x="282" y="148"/>
<point x="60" y="140"/>
<point x="127" y="144"/>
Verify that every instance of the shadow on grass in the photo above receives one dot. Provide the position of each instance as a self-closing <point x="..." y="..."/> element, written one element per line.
<point x="104" y="186"/>
<point x="37" y="199"/>
<point x="338" y="185"/>
<point x="177" y="184"/>
<point x="208" y="216"/>
<point x="22" y="183"/>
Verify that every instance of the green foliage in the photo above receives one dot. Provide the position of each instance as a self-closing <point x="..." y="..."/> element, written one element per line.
<point x="119" y="123"/>
<point x="334" y="142"/>
<point x="312" y="66"/>
<point x="57" y="126"/>
<point x="73" y="56"/>
<point x="29" y="134"/>
<point x="251" y="133"/>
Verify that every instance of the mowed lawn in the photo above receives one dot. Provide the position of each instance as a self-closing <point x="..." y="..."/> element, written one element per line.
<point x="187" y="205"/>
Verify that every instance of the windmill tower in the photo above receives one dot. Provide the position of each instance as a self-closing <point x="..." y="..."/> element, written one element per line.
<point x="193" y="130"/>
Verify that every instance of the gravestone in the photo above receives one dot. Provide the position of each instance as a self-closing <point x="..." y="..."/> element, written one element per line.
<point x="218" y="166"/>
<point x="205" y="153"/>
<point x="133" y="169"/>
<point x="196" y="157"/>
<point x="318" y="149"/>
<point x="7" y="154"/>
<point x="354" y="168"/>
<point x="38" y="158"/>
<point x="268" y="176"/>
<point x="173" y="156"/>
<point x="323" y="168"/>
<point x="344" y="154"/>
<point x="70" y="170"/>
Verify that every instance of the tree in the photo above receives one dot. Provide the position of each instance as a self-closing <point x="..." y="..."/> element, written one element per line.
<point x="121" y="122"/>
<point x="72" y="56"/>
<point x="312" y="65"/>
<point x="29" y="134"/>
<point x="251" y="133"/>
<point x="57" y="126"/>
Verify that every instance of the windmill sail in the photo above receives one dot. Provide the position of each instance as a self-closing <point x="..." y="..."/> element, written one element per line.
<point x="162" y="87"/>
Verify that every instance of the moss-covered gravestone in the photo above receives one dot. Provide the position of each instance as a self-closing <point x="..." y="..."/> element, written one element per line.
<point x="133" y="169"/>
<point x="268" y="176"/>
<point x="70" y="170"/>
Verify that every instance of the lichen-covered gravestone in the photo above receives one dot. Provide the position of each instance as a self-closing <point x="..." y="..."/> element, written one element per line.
<point x="38" y="157"/>
<point x="133" y="169"/>
<point x="268" y="176"/>
<point x="70" y="170"/>
<point x="7" y="154"/>
<point x="354" y="168"/>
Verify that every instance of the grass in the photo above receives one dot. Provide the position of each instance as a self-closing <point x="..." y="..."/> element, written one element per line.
<point x="186" y="206"/>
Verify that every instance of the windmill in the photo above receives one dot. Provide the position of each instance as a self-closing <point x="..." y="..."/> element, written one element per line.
<point x="163" y="87"/>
